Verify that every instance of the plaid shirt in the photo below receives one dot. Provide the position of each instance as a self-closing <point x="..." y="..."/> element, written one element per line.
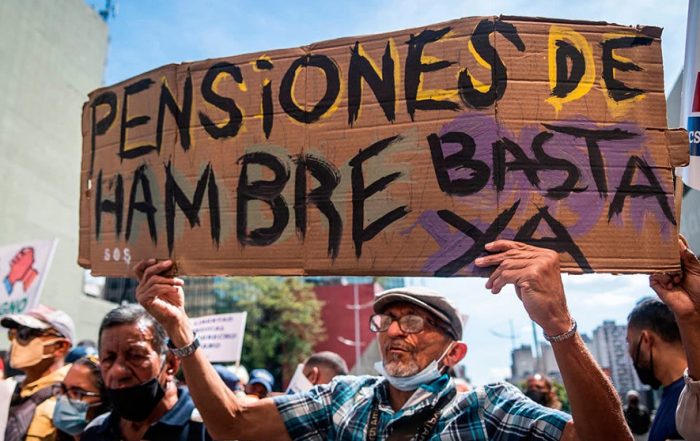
<point x="341" y="411"/>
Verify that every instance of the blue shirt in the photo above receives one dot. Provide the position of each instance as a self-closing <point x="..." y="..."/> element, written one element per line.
<point x="664" y="425"/>
<point x="341" y="411"/>
<point x="175" y="425"/>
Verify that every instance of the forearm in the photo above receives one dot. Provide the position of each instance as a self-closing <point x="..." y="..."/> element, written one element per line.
<point x="690" y="334"/>
<point x="217" y="405"/>
<point x="595" y="406"/>
<point x="224" y="415"/>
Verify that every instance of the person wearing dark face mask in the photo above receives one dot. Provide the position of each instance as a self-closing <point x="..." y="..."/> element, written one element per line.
<point x="139" y="374"/>
<point x="540" y="389"/>
<point x="39" y="341"/>
<point x="681" y="292"/>
<point x="654" y="343"/>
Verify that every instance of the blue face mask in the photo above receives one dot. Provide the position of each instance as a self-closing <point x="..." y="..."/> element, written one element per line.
<point x="70" y="416"/>
<point x="431" y="373"/>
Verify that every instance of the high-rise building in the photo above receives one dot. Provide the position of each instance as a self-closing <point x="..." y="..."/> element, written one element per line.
<point x="549" y="362"/>
<point x="610" y="344"/>
<point x="523" y="363"/>
<point x="53" y="54"/>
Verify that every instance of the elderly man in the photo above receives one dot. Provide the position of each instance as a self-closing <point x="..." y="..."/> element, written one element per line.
<point x="322" y="367"/>
<point x="40" y="340"/>
<point x="140" y="380"/>
<point x="419" y="338"/>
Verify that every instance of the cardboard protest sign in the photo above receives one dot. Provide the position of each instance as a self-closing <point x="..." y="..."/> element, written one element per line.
<point x="221" y="336"/>
<point x="23" y="269"/>
<point x="399" y="153"/>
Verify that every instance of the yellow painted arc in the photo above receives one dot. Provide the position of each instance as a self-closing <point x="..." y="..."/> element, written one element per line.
<point x="478" y="85"/>
<point x="561" y="33"/>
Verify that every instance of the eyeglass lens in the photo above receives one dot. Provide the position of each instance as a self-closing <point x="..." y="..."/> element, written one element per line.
<point x="410" y="324"/>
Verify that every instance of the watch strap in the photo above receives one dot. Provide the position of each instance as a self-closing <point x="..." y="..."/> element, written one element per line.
<point x="184" y="351"/>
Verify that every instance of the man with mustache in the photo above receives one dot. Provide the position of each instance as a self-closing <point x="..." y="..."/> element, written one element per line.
<point x="419" y="334"/>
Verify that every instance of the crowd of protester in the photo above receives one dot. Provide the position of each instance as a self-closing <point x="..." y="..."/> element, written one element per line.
<point x="147" y="378"/>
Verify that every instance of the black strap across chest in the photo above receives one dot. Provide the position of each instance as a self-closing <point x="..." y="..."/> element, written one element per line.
<point x="417" y="427"/>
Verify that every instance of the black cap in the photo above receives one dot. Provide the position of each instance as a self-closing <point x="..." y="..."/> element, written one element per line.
<point x="439" y="305"/>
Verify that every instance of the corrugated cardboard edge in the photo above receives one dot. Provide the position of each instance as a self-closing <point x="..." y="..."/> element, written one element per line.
<point x="651" y="31"/>
<point x="677" y="146"/>
<point x="84" y="203"/>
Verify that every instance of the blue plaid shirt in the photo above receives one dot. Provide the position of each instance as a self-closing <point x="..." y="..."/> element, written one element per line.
<point x="341" y="411"/>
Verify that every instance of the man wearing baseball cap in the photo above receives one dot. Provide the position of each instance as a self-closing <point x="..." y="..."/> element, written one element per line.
<point x="260" y="383"/>
<point x="40" y="339"/>
<point x="419" y="335"/>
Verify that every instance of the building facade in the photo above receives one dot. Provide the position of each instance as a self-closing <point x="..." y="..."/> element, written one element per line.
<point x="53" y="54"/>
<point x="524" y="363"/>
<point x="610" y="350"/>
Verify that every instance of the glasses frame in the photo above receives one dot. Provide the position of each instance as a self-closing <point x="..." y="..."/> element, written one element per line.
<point x="74" y="393"/>
<point x="401" y="319"/>
<point x="24" y="334"/>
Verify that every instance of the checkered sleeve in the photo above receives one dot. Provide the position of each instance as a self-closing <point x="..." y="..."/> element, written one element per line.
<point x="510" y="415"/>
<point x="309" y="415"/>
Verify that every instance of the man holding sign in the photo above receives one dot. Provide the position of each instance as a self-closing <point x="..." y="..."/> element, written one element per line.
<point x="419" y="336"/>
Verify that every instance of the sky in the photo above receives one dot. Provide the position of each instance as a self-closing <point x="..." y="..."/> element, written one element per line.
<point x="148" y="34"/>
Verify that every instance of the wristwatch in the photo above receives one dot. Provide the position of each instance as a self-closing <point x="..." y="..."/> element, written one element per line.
<point x="184" y="351"/>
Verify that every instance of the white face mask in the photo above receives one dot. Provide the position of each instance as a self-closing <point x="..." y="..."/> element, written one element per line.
<point x="431" y="373"/>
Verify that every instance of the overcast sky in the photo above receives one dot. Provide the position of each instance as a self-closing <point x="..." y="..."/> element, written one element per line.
<point x="147" y="34"/>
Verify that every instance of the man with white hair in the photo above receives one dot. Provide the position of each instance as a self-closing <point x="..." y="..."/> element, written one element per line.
<point x="419" y="335"/>
<point x="637" y="416"/>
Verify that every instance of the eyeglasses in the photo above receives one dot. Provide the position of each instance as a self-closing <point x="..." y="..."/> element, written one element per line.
<point x="409" y="323"/>
<point x="73" y="393"/>
<point x="24" y="334"/>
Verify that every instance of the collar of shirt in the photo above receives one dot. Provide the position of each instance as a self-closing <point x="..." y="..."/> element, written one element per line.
<point x="179" y="415"/>
<point x="54" y="377"/>
<point x="426" y="395"/>
<point x="673" y="388"/>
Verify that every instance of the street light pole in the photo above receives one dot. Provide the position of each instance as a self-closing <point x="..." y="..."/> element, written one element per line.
<point x="358" y="338"/>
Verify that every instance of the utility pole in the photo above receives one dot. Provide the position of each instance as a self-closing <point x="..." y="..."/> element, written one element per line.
<point x="538" y="351"/>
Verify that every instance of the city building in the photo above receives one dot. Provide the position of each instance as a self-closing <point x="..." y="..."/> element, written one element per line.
<point x="202" y="293"/>
<point x="345" y="314"/>
<point x="610" y="351"/>
<point x="525" y="363"/>
<point x="53" y="54"/>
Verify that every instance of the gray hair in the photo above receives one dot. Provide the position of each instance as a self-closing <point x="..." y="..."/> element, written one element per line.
<point x="135" y="314"/>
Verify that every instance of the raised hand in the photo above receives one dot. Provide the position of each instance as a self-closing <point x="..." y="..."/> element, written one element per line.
<point x="161" y="295"/>
<point x="681" y="292"/>
<point x="537" y="279"/>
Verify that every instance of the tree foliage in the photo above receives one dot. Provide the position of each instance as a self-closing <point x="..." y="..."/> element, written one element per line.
<point x="283" y="323"/>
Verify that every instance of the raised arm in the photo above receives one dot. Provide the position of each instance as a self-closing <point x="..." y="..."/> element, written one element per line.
<point x="595" y="407"/>
<point x="225" y="416"/>
<point x="681" y="292"/>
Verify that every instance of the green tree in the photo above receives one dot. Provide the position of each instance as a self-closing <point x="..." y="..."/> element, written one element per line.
<point x="283" y="323"/>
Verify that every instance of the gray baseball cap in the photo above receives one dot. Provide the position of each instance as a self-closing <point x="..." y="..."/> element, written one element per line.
<point x="440" y="306"/>
<point x="42" y="317"/>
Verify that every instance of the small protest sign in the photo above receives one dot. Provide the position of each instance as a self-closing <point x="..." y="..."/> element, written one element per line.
<point x="393" y="154"/>
<point x="299" y="383"/>
<point x="7" y="388"/>
<point x="221" y="336"/>
<point x="23" y="268"/>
